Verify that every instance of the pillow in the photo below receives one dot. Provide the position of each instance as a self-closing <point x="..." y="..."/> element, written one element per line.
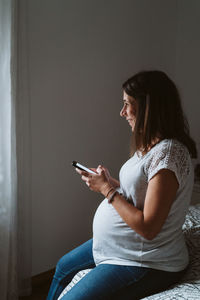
<point x="191" y="229"/>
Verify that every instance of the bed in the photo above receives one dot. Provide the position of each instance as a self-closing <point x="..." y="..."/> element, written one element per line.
<point x="189" y="287"/>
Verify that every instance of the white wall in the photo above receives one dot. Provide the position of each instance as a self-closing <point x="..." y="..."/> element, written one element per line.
<point x="80" y="52"/>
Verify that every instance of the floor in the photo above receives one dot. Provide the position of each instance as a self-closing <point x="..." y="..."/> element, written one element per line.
<point x="38" y="293"/>
<point x="40" y="286"/>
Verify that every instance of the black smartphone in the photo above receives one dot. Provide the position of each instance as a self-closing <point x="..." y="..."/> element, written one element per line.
<point x="81" y="167"/>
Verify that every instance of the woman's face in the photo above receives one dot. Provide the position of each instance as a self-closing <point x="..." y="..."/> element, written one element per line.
<point x="129" y="110"/>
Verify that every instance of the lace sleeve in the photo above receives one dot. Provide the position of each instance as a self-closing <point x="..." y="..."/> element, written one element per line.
<point x="170" y="155"/>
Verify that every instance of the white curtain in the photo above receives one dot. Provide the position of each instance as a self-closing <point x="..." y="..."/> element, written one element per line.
<point x="14" y="263"/>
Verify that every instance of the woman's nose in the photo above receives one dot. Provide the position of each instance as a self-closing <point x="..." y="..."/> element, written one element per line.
<point x="122" y="112"/>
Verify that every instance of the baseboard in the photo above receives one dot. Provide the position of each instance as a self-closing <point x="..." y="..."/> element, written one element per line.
<point x="42" y="279"/>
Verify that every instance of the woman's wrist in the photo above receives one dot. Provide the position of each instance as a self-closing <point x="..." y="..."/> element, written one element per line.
<point x="107" y="189"/>
<point x="111" y="196"/>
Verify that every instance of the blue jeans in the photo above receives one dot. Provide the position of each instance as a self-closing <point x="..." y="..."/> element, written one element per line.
<point x="105" y="281"/>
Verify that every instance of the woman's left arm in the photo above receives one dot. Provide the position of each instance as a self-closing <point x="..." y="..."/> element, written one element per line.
<point x="161" y="193"/>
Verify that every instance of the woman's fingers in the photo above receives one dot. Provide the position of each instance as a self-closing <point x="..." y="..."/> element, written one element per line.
<point x="100" y="169"/>
<point x="87" y="181"/>
<point x="85" y="178"/>
<point x="82" y="172"/>
<point x="78" y="170"/>
<point x="94" y="181"/>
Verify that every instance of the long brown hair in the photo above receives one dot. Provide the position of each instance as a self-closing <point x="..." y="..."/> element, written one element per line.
<point x="160" y="114"/>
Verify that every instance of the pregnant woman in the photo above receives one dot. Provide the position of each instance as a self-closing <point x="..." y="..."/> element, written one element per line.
<point x="138" y="247"/>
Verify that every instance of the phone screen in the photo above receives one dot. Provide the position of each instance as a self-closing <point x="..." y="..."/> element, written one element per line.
<point x="81" y="167"/>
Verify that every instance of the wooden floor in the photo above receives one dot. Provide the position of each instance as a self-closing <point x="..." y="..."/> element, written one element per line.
<point x="40" y="286"/>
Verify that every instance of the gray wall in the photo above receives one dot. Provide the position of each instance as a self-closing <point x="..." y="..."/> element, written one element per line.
<point x="188" y="62"/>
<point x="78" y="55"/>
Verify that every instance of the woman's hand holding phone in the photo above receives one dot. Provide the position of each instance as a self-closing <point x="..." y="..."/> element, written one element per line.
<point x="97" y="181"/>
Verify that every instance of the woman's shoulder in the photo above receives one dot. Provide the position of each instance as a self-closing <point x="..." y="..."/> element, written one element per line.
<point x="172" y="147"/>
<point x="168" y="154"/>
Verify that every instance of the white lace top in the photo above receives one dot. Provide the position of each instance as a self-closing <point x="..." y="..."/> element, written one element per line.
<point x="114" y="242"/>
